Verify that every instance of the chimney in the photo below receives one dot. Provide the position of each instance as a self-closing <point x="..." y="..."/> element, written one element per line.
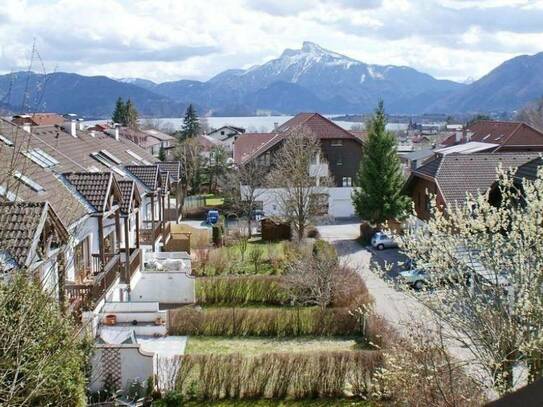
<point x="93" y="133"/>
<point x="27" y="127"/>
<point x="116" y="126"/>
<point x="458" y="136"/>
<point x="468" y="135"/>
<point x="70" y="124"/>
<point x="275" y="126"/>
<point x="80" y="124"/>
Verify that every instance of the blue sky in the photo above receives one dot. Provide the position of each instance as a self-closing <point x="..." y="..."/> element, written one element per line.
<point x="166" y="40"/>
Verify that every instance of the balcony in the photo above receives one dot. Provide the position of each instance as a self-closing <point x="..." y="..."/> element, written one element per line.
<point x="83" y="297"/>
<point x="134" y="261"/>
<point x="148" y="235"/>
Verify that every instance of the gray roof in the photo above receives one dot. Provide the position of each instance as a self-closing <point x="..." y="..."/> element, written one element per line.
<point x="458" y="174"/>
<point x="418" y="154"/>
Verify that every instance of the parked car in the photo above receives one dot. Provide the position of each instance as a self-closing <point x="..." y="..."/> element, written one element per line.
<point x="212" y="216"/>
<point x="381" y="241"/>
<point x="416" y="278"/>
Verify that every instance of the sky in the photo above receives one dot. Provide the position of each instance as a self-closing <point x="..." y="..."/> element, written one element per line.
<point x="165" y="40"/>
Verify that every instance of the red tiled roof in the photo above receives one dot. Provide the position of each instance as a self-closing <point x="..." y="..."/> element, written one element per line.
<point x="500" y="132"/>
<point x="247" y="146"/>
<point x="20" y="224"/>
<point x="319" y="125"/>
<point x="95" y="187"/>
<point x="40" y="119"/>
<point x="248" y="143"/>
<point x="148" y="175"/>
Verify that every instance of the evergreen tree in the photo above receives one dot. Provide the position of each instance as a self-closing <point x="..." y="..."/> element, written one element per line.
<point x="191" y="124"/>
<point x="120" y="111"/>
<point x="378" y="194"/>
<point x="162" y="154"/>
<point x="131" y="115"/>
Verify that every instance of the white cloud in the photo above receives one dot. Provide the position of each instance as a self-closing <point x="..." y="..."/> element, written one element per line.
<point x="168" y="39"/>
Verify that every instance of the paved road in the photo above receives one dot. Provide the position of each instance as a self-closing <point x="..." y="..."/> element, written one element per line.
<point x="397" y="307"/>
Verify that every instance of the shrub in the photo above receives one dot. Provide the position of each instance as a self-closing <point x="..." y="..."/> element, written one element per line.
<point x="274" y="322"/>
<point x="241" y="290"/>
<point x="277" y="375"/>
<point x="217" y="233"/>
<point x="324" y="249"/>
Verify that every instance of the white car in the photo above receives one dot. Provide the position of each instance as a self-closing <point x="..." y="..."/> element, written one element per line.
<point x="381" y="241"/>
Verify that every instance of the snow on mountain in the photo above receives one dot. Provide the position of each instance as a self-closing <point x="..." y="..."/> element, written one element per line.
<point x="338" y="81"/>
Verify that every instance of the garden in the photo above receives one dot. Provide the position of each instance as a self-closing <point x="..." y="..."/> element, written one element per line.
<point x="279" y="321"/>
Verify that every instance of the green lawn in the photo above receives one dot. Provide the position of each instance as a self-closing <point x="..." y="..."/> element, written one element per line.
<point x="253" y="346"/>
<point x="213" y="200"/>
<point x="282" y="403"/>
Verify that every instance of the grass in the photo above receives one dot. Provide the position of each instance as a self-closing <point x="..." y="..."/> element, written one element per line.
<point x="253" y="346"/>
<point x="227" y="259"/>
<point x="213" y="200"/>
<point x="282" y="403"/>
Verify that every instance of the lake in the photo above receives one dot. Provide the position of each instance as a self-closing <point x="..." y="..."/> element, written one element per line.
<point x="255" y="123"/>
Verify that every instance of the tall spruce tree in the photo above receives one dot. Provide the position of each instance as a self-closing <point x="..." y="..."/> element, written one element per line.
<point x="378" y="194"/>
<point x="120" y="111"/>
<point x="191" y="124"/>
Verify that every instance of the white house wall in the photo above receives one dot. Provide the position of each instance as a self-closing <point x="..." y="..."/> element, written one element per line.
<point x="164" y="287"/>
<point x="340" y="203"/>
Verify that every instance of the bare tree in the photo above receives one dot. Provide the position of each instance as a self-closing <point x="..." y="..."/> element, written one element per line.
<point x="532" y="114"/>
<point x="299" y="178"/>
<point x="242" y="188"/>
<point x="189" y="153"/>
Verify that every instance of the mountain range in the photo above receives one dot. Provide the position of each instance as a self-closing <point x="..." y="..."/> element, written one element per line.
<point x="307" y="79"/>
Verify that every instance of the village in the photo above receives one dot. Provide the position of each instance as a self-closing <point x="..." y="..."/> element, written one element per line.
<point x="297" y="264"/>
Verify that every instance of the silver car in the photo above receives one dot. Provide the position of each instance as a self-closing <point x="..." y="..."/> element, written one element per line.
<point x="381" y="241"/>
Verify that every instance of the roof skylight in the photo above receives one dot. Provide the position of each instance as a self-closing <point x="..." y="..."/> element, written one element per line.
<point x="28" y="181"/>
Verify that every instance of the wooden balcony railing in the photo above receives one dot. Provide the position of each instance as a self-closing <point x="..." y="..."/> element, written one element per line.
<point x="134" y="261"/>
<point x="85" y="296"/>
<point x="148" y="235"/>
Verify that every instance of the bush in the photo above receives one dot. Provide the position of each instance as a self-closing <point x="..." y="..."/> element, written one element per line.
<point x="273" y="322"/>
<point x="324" y="249"/>
<point x="241" y="290"/>
<point x="217" y="233"/>
<point x="277" y="375"/>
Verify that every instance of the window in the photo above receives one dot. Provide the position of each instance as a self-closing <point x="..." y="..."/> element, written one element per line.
<point x="222" y="132"/>
<point x="28" y="181"/>
<point x="101" y="158"/>
<point x="347" y="182"/>
<point x="337" y="143"/>
<point x="339" y="160"/>
<point x="111" y="156"/>
<point x="6" y="141"/>
<point x="93" y="168"/>
<point x="82" y="263"/>
<point x="10" y="196"/>
<point x="41" y="158"/>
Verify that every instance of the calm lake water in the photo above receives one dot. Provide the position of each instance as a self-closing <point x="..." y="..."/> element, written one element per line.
<point x="254" y="123"/>
<point x="264" y="123"/>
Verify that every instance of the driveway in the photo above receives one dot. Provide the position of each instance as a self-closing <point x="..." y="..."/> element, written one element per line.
<point x="398" y="308"/>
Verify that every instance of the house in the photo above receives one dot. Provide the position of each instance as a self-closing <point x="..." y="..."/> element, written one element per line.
<point x="413" y="160"/>
<point x="38" y="119"/>
<point x="85" y="210"/>
<point x="226" y="135"/>
<point x="340" y="159"/>
<point x="150" y="140"/>
<point x="32" y="239"/>
<point x="451" y="177"/>
<point x="504" y="136"/>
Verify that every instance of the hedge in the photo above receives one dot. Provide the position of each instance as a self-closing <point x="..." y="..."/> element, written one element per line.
<point x="277" y="375"/>
<point x="241" y="290"/>
<point x="273" y="322"/>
